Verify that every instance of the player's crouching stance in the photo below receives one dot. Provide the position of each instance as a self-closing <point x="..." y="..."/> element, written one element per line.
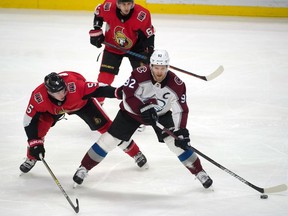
<point x="149" y="95"/>
<point x="68" y="92"/>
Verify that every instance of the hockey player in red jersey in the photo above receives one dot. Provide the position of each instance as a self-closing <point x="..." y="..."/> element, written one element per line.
<point x="128" y="26"/>
<point x="68" y="92"/>
<point x="151" y="94"/>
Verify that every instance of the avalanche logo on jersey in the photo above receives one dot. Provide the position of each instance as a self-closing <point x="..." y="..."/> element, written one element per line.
<point x="178" y="81"/>
<point x="121" y="39"/>
<point x="160" y="105"/>
<point x="141" y="69"/>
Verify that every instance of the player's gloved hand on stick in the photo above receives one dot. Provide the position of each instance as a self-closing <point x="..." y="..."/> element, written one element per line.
<point x="149" y="114"/>
<point x="147" y="52"/>
<point x="36" y="148"/>
<point x="96" y="37"/>
<point x="184" y="140"/>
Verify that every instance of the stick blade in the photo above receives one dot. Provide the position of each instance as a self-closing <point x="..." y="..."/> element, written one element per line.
<point x="215" y="74"/>
<point x="76" y="209"/>
<point x="276" y="189"/>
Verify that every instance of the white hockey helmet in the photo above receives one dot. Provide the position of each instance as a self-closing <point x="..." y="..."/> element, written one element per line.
<point x="159" y="57"/>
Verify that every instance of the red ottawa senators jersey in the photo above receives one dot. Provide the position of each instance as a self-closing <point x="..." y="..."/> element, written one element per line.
<point x="77" y="87"/>
<point x="124" y="34"/>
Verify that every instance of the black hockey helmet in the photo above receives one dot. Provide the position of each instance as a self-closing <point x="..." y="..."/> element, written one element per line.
<point x="120" y="1"/>
<point x="54" y="83"/>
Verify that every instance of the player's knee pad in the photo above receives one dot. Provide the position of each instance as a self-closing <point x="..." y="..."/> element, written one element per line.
<point x="187" y="157"/>
<point x="108" y="142"/>
<point x="170" y="142"/>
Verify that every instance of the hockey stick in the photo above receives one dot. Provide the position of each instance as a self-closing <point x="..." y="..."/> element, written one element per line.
<point x="209" y="77"/>
<point x="76" y="208"/>
<point x="274" y="189"/>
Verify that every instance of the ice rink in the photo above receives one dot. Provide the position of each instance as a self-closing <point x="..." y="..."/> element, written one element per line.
<point x="239" y="119"/>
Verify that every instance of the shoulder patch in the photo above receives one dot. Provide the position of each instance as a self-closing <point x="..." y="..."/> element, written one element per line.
<point x="38" y="97"/>
<point x="107" y="6"/>
<point x="71" y="87"/>
<point x="141" y="69"/>
<point x="178" y="81"/>
<point x="141" y="16"/>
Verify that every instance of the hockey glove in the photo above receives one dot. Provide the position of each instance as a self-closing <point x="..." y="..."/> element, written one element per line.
<point x="96" y="37"/>
<point x="147" y="53"/>
<point x="184" y="140"/>
<point x="36" y="148"/>
<point x="148" y="114"/>
<point x="119" y="93"/>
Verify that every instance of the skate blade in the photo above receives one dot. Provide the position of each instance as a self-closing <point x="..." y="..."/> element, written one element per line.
<point x="145" y="166"/>
<point x="75" y="185"/>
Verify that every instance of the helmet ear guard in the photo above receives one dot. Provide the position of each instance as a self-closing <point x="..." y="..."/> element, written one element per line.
<point x="54" y="83"/>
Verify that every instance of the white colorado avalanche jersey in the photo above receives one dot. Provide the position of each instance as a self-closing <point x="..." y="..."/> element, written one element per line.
<point x="170" y="94"/>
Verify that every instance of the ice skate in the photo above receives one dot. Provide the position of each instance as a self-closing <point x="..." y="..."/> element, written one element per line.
<point x="141" y="160"/>
<point x="205" y="180"/>
<point x="80" y="174"/>
<point x="27" y="165"/>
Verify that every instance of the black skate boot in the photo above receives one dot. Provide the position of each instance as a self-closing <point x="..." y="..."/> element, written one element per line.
<point x="204" y="179"/>
<point x="80" y="174"/>
<point x="27" y="165"/>
<point x="141" y="160"/>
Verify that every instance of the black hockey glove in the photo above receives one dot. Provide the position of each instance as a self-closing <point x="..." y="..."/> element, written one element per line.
<point x="184" y="140"/>
<point x="96" y="37"/>
<point x="149" y="115"/>
<point x="147" y="53"/>
<point x="119" y="93"/>
<point x="36" y="148"/>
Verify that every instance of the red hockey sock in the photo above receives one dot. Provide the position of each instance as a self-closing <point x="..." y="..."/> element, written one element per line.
<point x="132" y="149"/>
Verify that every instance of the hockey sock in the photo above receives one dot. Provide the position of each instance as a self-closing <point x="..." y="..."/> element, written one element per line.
<point x="93" y="157"/>
<point x="132" y="149"/>
<point x="191" y="161"/>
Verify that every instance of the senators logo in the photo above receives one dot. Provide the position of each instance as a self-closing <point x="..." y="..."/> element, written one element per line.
<point x="97" y="120"/>
<point x="121" y="39"/>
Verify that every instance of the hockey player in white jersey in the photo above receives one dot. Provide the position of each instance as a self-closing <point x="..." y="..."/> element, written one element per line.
<point x="152" y="93"/>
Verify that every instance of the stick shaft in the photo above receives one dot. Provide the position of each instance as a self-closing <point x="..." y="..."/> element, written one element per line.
<point x="137" y="55"/>
<point x="274" y="189"/>
<point x="76" y="208"/>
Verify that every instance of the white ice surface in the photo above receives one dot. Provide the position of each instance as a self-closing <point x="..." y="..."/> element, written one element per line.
<point x="239" y="119"/>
